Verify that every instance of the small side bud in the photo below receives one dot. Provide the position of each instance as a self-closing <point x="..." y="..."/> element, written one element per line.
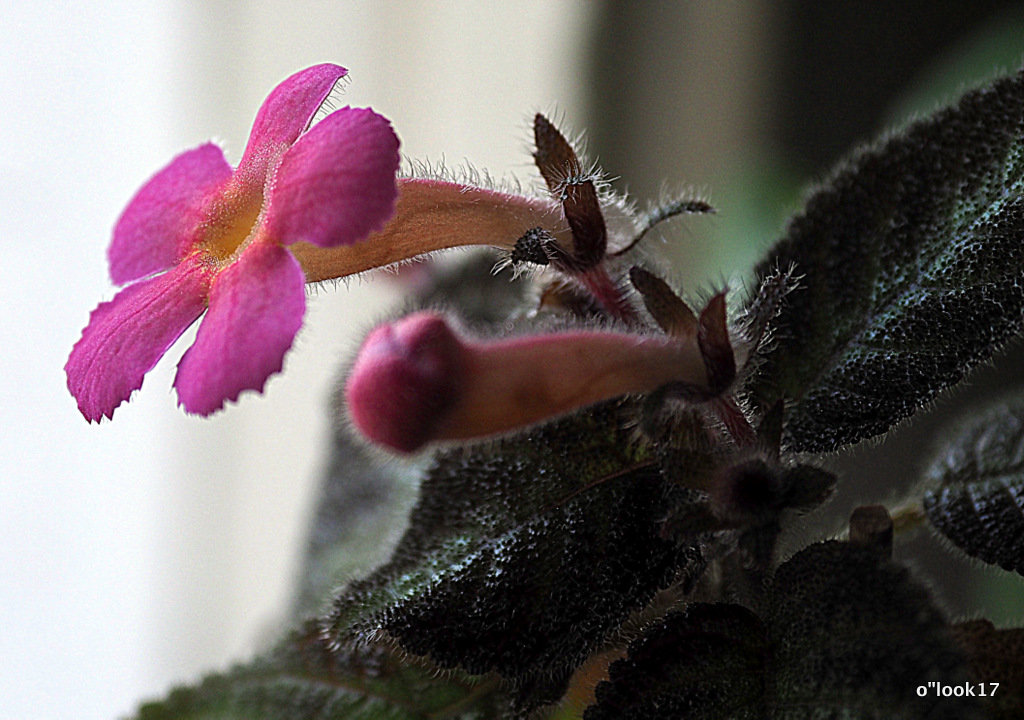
<point x="755" y="322"/>
<point x="871" y="527"/>
<point x="533" y="247"/>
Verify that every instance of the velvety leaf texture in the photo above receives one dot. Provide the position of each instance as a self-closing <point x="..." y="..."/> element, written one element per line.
<point x="301" y="680"/>
<point x="995" y="656"/>
<point x="844" y="634"/>
<point x="358" y="519"/>
<point x="362" y="501"/>
<point x="524" y="554"/>
<point x="854" y="635"/>
<point x="910" y="272"/>
<point x="706" y="662"/>
<point x="976" y="498"/>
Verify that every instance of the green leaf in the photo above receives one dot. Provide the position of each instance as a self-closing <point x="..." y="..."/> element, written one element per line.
<point x="523" y="554"/>
<point x="303" y="680"/>
<point x="910" y="273"/>
<point x="705" y="662"/>
<point x="844" y="633"/>
<point x="358" y="519"/>
<point x="995" y="656"/>
<point x="853" y="633"/>
<point x="976" y="498"/>
<point x="363" y="502"/>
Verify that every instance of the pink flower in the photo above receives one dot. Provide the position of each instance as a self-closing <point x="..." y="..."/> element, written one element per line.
<point x="200" y="238"/>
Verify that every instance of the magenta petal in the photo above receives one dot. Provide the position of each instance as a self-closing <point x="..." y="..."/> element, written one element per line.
<point x="337" y="183"/>
<point x="256" y="307"/>
<point x="126" y="337"/>
<point x="285" y="115"/>
<point x="155" y="230"/>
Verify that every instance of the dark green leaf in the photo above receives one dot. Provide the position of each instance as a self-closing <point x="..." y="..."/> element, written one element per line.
<point x="995" y="656"/>
<point x="854" y="635"/>
<point x="911" y="272"/>
<point x="361" y="504"/>
<point x="524" y="554"/>
<point x="845" y="634"/>
<point x="302" y="680"/>
<point x="706" y="662"/>
<point x="977" y="486"/>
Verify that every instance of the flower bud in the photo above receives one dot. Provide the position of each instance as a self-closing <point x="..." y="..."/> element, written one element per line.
<point x="417" y="381"/>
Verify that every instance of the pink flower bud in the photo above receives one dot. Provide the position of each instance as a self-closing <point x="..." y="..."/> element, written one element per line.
<point x="416" y="381"/>
<point x="406" y="378"/>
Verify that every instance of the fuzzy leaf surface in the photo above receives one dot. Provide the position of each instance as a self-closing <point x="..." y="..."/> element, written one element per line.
<point x="363" y="504"/>
<point x="976" y="497"/>
<point x="303" y="680"/>
<point x="910" y="272"/>
<point x="995" y="656"/>
<point x="705" y="662"/>
<point x="359" y="517"/>
<point x="522" y="555"/>
<point x="844" y="633"/>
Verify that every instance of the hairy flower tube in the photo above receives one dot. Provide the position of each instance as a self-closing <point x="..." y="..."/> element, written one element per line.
<point x="564" y="228"/>
<point x="569" y="228"/>
<point x="201" y="237"/>
<point x="417" y="381"/>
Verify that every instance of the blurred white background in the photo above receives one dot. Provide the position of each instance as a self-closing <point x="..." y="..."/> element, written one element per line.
<point x="144" y="551"/>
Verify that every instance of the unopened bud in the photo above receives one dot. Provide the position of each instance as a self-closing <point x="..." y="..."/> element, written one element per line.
<point x="416" y="381"/>
<point x="406" y="376"/>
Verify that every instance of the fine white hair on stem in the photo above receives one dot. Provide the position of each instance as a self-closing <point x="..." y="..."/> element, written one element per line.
<point x="670" y="205"/>
<point x="464" y="173"/>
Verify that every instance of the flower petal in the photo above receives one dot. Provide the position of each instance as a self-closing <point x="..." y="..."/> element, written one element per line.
<point x="256" y="307"/>
<point x="155" y="230"/>
<point x="285" y="115"/>
<point x="337" y="183"/>
<point x="126" y="337"/>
